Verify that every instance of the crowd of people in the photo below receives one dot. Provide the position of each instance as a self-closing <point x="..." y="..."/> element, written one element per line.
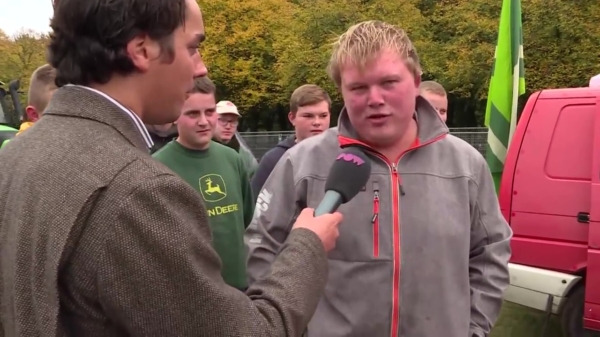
<point x="132" y="208"/>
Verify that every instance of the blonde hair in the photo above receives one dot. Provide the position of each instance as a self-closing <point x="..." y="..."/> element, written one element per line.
<point x="432" y="87"/>
<point x="42" y="82"/>
<point x="364" y="41"/>
<point x="307" y="94"/>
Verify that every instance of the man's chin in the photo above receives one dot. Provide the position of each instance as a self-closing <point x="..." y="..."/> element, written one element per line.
<point x="202" y="143"/>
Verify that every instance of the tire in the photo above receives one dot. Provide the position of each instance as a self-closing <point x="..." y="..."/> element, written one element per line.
<point x="571" y="317"/>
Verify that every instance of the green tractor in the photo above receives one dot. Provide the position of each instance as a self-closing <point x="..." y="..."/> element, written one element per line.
<point x="11" y="110"/>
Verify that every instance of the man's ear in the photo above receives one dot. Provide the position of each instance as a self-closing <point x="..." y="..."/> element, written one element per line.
<point x="32" y="114"/>
<point x="142" y="50"/>
<point x="292" y="117"/>
<point x="417" y="81"/>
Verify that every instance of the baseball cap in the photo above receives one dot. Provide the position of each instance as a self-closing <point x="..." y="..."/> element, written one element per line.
<point x="226" y="107"/>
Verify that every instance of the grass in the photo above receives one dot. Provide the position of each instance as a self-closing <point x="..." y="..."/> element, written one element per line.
<point x="518" y="321"/>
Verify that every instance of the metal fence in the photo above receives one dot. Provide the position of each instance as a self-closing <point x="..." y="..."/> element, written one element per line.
<point x="261" y="142"/>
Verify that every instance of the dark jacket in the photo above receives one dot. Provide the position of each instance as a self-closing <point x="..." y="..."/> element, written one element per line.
<point x="99" y="239"/>
<point x="268" y="162"/>
<point x="161" y="140"/>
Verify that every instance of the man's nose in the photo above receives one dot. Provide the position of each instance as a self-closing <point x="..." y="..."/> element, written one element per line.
<point x="202" y="120"/>
<point x="200" y="69"/>
<point x="375" y="97"/>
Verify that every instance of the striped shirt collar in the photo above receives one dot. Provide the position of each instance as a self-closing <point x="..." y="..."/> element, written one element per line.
<point x="135" y="118"/>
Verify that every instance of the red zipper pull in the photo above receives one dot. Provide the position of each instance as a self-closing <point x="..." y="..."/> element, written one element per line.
<point x="375" y="223"/>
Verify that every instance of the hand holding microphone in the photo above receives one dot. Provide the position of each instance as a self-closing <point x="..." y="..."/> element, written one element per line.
<point x="349" y="173"/>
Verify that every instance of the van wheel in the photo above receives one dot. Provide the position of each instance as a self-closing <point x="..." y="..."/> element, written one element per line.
<point x="571" y="316"/>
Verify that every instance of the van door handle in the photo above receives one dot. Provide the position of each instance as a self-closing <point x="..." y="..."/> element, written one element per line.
<point x="583" y="217"/>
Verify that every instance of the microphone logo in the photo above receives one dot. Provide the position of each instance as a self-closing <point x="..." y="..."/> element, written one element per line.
<point x="349" y="157"/>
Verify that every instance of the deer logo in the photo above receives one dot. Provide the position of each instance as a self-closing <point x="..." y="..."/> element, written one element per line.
<point x="212" y="187"/>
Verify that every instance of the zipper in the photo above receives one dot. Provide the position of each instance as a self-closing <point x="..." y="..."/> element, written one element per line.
<point x="375" y="223"/>
<point x="395" y="177"/>
<point x="396" y="247"/>
<point x="397" y="190"/>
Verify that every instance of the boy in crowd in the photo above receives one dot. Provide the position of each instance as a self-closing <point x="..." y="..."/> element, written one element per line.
<point x="218" y="174"/>
<point x="435" y="94"/>
<point x="309" y="114"/>
<point x="225" y="132"/>
<point x="41" y="88"/>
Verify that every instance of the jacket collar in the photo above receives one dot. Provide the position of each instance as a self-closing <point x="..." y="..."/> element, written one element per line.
<point x="80" y="102"/>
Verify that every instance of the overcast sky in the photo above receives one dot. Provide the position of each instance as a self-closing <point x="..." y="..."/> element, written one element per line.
<point x="16" y="15"/>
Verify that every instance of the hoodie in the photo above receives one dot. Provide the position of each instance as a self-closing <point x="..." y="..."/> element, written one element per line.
<point x="24" y="126"/>
<point x="239" y="145"/>
<point x="268" y="162"/>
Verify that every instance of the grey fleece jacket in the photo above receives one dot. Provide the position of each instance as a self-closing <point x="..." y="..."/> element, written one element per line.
<point x="423" y="250"/>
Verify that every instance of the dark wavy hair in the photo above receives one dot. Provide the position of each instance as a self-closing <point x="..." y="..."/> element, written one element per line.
<point x="89" y="37"/>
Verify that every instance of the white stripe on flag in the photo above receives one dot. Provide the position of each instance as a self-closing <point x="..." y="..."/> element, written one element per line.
<point x="498" y="149"/>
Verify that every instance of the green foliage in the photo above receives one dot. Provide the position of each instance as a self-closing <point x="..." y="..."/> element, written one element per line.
<point x="258" y="52"/>
<point x="20" y="56"/>
<point x="562" y="43"/>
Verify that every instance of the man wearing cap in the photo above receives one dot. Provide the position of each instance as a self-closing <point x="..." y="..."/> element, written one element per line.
<point x="225" y="132"/>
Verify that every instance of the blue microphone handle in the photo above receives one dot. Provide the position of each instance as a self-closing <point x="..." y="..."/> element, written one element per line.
<point x="330" y="203"/>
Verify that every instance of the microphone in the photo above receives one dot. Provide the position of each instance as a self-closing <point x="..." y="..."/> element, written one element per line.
<point x="347" y="176"/>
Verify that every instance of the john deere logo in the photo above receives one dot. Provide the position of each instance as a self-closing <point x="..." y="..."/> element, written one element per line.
<point x="212" y="187"/>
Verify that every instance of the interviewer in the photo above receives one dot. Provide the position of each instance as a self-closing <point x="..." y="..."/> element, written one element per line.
<point x="97" y="238"/>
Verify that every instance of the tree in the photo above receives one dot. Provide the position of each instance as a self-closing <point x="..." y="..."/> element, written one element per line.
<point x="464" y="34"/>
<point x="562" y="40"/>
<point x="239" y="49"/>
<point x="319" y="22"/>
<point x="20" y="56"/>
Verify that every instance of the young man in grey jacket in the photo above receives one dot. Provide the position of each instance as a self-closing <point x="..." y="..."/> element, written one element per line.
<point x="424" y="248"/>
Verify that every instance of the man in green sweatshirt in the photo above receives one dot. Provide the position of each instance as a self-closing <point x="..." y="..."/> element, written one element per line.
<point x="218" y="173"/>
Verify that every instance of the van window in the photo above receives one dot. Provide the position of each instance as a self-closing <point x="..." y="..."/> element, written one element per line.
<point x="570" y="152"/>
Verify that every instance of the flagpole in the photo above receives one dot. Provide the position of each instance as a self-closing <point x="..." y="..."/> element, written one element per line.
<point x="515" y="97"/>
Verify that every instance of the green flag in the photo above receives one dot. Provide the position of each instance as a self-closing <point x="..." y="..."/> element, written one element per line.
<point x="506" y="85"/>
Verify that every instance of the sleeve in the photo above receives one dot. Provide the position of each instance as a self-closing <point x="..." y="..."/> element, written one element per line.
<point x="160" y="276"/>
<point x="489" y="255"/>
<point x="250" y="161"/>
<point x="252" y="166"/>
<point x="265" y="167"/>
<point x="277" y="206"/>
<point x="247" y="197"/>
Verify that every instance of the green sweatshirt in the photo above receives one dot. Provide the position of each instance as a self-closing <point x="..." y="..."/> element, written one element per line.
<point x="219" y="175"/>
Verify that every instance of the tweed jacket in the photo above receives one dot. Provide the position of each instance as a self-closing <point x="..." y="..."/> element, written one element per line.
<point x="99" y="239"/>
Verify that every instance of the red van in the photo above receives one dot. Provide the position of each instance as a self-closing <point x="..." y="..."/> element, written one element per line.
<point x="550" y="195"/>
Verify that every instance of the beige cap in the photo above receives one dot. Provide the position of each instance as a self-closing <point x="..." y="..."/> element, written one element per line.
<point x="226" y="107"/>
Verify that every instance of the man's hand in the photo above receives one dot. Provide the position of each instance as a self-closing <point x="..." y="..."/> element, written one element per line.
<point x="325" y="226"/>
